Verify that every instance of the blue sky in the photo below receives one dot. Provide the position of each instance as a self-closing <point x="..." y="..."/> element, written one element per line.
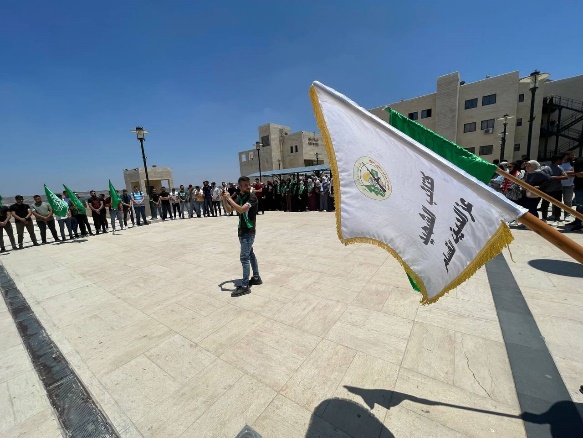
<point x="77" y="76"/>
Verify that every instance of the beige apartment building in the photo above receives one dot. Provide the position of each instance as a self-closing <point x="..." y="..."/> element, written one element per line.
<point x="282" y="149"/>
<point x="469" y="114"/>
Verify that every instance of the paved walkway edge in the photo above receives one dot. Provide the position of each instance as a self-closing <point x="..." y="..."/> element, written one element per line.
<point x="77" y="412"/>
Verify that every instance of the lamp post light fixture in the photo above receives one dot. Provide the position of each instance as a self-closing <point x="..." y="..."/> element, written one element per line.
<point x="505" y="118"/>
<point x="141" y="135"/>
<point x="258" y="147"/>
<point x="534" y="79"/>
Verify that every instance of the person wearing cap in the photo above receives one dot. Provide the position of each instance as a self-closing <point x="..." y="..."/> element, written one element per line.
<point x="22" y="217"/>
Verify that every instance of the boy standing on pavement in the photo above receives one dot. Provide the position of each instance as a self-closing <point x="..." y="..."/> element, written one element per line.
<point x="245" y="204"/>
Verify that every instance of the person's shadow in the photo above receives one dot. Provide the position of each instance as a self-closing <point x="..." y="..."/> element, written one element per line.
<point x="235" y="283"/>
<point x="345" y="418"/>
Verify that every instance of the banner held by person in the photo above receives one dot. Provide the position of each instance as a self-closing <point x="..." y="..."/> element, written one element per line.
<point x="115" y="200"/>
<point x="60" y="207"/>
<point x="440" y="222"/>
<point x="78" y="204"/>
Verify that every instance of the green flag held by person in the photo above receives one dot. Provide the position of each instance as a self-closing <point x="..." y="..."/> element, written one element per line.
<point x="78" y="204"/>
<point x="114" y="196"/>
<point x="59" y="206"/>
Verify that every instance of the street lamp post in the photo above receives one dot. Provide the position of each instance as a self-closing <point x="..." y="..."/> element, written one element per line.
<point x="279" y="164"/>
<point x="534" y="79"/>
<point x="258" y="147"/>
<point x="317" y="162"/>
<point x="505" y="117"/>
<point x="141" y="134"/>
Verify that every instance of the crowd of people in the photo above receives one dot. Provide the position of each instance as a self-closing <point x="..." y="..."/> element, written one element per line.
<point x="302" y="193"/>
<point x="561" y="179"/>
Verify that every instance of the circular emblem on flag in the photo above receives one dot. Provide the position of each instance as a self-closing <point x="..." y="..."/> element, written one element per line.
<point x="371" y="179"/>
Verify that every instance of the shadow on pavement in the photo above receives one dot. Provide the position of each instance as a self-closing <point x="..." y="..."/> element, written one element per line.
<point x="235" y="283"/>
<point x="558" y="267"/>
<point x="341" y="417"/>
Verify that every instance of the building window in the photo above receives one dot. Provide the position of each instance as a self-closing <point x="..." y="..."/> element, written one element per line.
<point x="265" y="140"/>
<point x="250" y="156"/>
<point x="472" y="150"/>
<point x="291" y="149"/>
<point x="243" y="158"/>
<point x="426" y="113"/>
<point x="471" y="103"/>
<point x="486" y="150"/>
<point x="516" y="146"/>
<point x="296" y="148"/>
<point x="487" y="124"/>
<point x="490" y="99"/>
<point x="470" y="127"/>
<point x="519" y="122"/>
<point x="414" y="116"/>
<point x="521" y="97"/>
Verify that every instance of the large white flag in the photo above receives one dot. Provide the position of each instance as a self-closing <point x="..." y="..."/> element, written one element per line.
<point x="441" y="223"/>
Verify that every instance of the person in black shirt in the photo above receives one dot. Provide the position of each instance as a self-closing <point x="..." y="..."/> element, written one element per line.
<point x="96" y="204"/>
<point x="246" y="205"/>
<point x="231" y="190"/>
<point x="577" y="172"/>
<point x="126" y="203"/>
<point x="6" y="225"/>
<point x="155" y="204"/>
<point x="22" y="217"/>
<point x="208" y="199"/>
<point x="166" y="207"/>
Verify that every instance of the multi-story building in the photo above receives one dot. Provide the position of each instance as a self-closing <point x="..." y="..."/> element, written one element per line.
<point x="282" y="149"/>
<point x="470" y="114"/>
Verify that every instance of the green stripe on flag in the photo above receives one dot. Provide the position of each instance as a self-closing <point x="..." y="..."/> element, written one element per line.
<point x="462" y="158"/>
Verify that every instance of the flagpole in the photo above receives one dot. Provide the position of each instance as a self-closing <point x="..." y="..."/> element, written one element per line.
<point x="558" y="239"/>
<point x="540" y="193"/>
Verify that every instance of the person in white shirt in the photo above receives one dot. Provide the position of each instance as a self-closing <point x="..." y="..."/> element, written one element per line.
<point x="216" y="197"/>
<point x="569" y="183"/>
<point x="175" y="201"/>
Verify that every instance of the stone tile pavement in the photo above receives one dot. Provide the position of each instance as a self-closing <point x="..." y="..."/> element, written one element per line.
<point x="334" y="343"/>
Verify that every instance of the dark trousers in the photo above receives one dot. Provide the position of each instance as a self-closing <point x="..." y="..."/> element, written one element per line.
<point x="140" y="213"/>
<point x="42" y="225"/>
<point x="166" y="210"/>
<point x="208" y="207"/>
<point x="83" y="223"/>
<point x="99" y="225"/>
<point x="531" y="204"/>
<point x="127" y="210"/>
<point x="175" y="209"/>
<point x="8" y="228"/>
<point x="103" y="214"/>
<point x="261" y="205"/>
<point x="20" y="231"/>
<point x="217" y="208"/>
<point x="544" y="205"/>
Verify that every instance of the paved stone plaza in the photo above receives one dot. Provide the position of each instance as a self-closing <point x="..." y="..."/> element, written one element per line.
<point x="333" y="344"/>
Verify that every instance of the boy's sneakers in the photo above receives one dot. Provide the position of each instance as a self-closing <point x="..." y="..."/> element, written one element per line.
<point x="255" y="281"/>
<point x="241" y="290"/>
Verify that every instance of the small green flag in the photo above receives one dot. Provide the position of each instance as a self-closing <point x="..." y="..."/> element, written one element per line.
<point x="462" y="158"/>
<point x="59" y="206"/>
<point x="78" y="204"/>
<point x="0" y="201"/>
<point x="114" y="196"/>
